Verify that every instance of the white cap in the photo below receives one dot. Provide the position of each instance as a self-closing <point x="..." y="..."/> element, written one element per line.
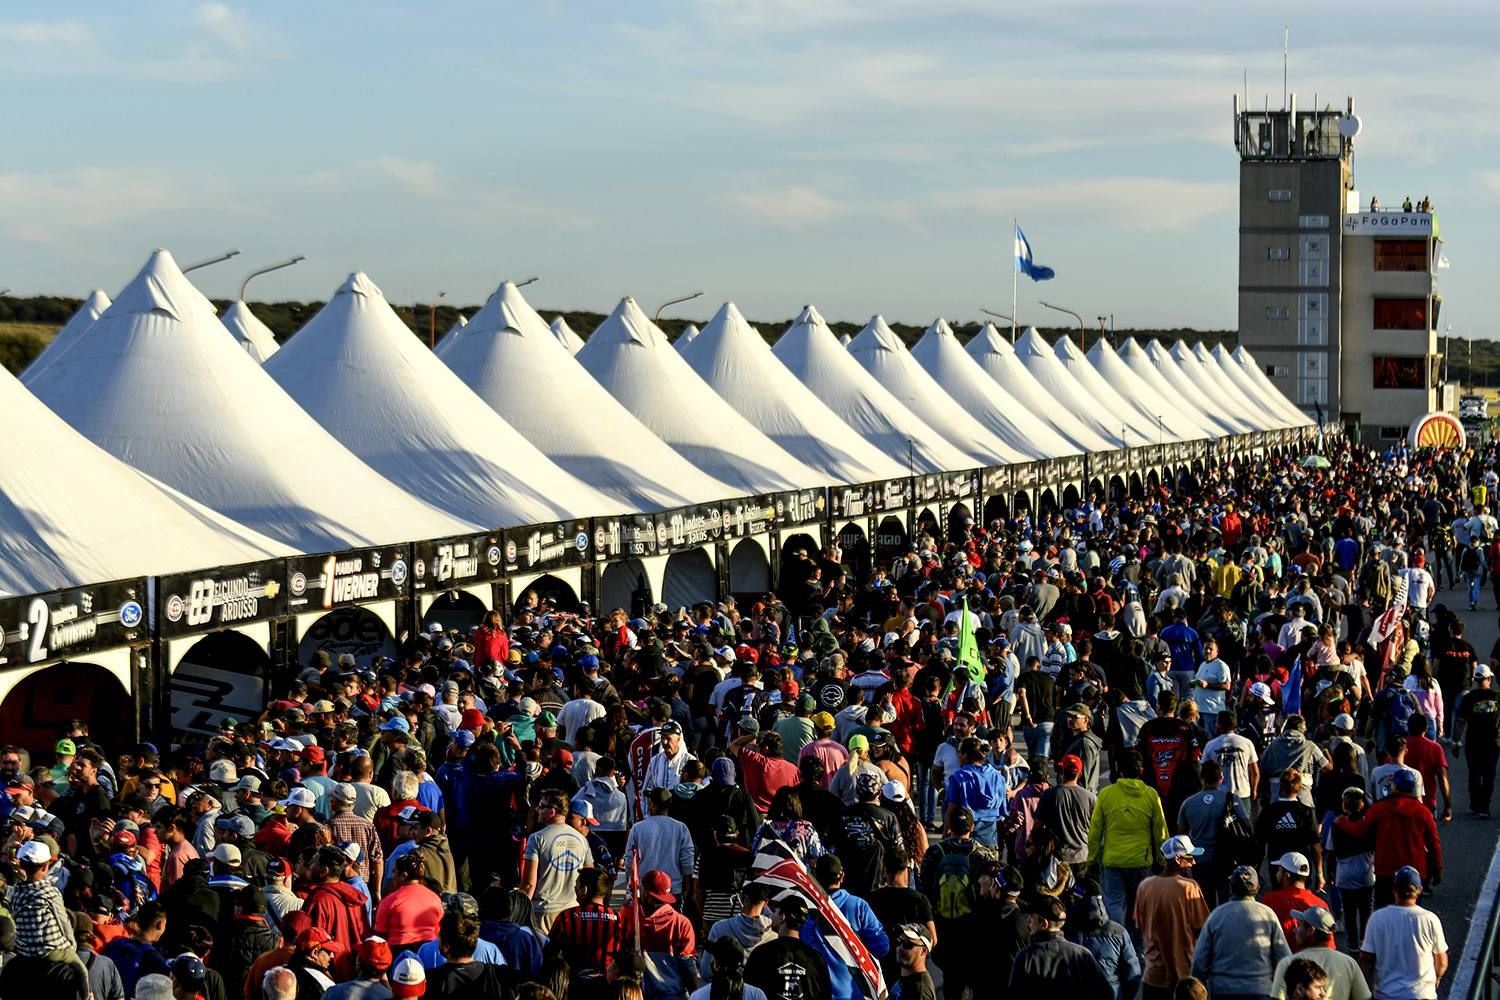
<point x="1262" y="691"/>
<point x="1482" y="670"/>
<point x="153" y="986"/>
<point x="408" y="972"/>
<point x="223" y="772"/>
<point x="226" y="854"/>
<point x="434" y="628"/>
<point x="34" y="852"/>
<point x="1344" y="722"/>
<point x="894" y="791"/>
<point x="300" y="797"/>
<point x="343" y="791"/>
<point x="1294" y="862"/>
<point x="1180" y="846"/>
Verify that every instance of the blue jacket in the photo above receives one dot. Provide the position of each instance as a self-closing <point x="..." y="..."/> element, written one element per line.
<point x="1089" y="925"/>
<point x="1183" y="641"/>
<point x="980" y="787"/>
<point x="862" y="918"/>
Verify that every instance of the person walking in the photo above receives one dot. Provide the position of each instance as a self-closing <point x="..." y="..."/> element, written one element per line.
<point x="1125" y="831"/>
<point x="555" y="854"/>
<point x="1405" y="836"/>
<point x="1476" y="716"/>
<point x="1242" y="943"/>
<point x="1051" y="964"/>
<point x="1313" y="940"/>
<point x="1404" y="953"/>
<point x="1170" y="911"/>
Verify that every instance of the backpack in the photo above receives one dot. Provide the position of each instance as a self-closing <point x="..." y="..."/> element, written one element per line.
<point x="1236" y="841"/>
<point x="954" y="884"/>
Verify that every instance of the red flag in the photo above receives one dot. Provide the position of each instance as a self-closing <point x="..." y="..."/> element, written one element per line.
<point x="637" y="760"/>
<point x="635" y="894"/>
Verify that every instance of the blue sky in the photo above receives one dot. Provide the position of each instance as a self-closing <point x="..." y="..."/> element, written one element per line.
<point x="865" y="156"/>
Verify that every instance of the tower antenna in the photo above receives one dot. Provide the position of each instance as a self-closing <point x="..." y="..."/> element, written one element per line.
<point x="1286" y="37"/>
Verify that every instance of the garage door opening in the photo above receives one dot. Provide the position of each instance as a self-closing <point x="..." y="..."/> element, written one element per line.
<point x="749" y="572"/>
<point x="624" y="585"/>
<point x="688" y="579"/>
<point x="355" y="631"/>
<point x="38" y="708"/>
<point x="224" y="675"/>
<point x="456" y="609"/>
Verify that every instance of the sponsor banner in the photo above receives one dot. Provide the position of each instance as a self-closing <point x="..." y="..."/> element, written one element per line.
<point x="450" y="563"/>
<point x="203" y="696"/>
<point x="1028" y="474"/>
<point x="959" y="485"/>
<point x="541" y="548"/>
<point x="997" y="479"/>
<point x="1417" y="224"/>
<point x="851" y="501"/>
<point x="221" y="598"/>
<point x="927" y="488"/>
<point x="692" y="527"/>
<point x="890" y="539"/>
<point x="342" y="579"/>
<point x="892" y="494"/>
<point x="800" y="507"/>
<point x="1108" y="463"/>
<point x="748" y="516"/>
<point x="1069" y="468"/>
<point x="628" y="536"/>
<point x="64" y="624"/>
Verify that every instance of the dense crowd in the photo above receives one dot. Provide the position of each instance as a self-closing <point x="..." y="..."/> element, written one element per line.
<point x="1187" y="744"/>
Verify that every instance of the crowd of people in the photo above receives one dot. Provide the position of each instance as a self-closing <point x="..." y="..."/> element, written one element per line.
<point x="1189" y="744"/>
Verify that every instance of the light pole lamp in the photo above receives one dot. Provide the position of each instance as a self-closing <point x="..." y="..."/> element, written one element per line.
<point x="997" y="315"/>
<point x="432" y="320"/>
<point x="226" y="255"/>
<point x="673" y="302"/>
<point x="1081" y="334"/>
<point x="523" y="284"/>
<point x="267" y="270"/>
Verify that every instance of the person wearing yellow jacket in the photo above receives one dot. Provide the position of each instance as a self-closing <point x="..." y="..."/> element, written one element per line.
<point x="1126" y="831"/>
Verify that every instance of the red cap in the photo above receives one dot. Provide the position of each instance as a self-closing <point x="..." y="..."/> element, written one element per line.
<point x="790" y="688"/>
<point x="374" y="951"/>
<point x="657" y="885"/>
<point x="123" y="838"/>
<point x="314" y="755"/>
<point x="1071" y="762"/>
<point x="745" y="651"/>
<point x="565" y="758"/>
<point x="313" y="937"/>
<point x="473" y="719"/>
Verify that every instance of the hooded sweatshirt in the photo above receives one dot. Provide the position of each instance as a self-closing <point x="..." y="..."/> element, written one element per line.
<point x="1293" y="749"/>
<point x="1089" y="925"/>
<point x="609" y="803"/>
<point x="339" y="909"/>
<point x="1127" y="828"/>
<point x="1405" y="834"/>
<point x="747" y="930"/>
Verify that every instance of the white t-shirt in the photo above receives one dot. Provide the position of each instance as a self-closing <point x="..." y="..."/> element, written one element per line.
<point x="1235" y="754"/>
<point x="1403" y="940"/>
<point x="1211" y="703"/>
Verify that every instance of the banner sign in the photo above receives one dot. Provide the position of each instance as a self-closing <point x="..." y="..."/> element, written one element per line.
<point x="1068" y="469"/>
<point x="343" y="579"/>
<point x="1417" y="224"/>
<point x="221" y="598"/>
<point x="1028" y="474"/>
<point x="748" y="516"/>
<point x="796" y="507"/>
<point x="541" y="548"/>
<point x="64" y="624"/>
<point x="959" y="485"/>
<point x="851" y="501"/>
<point x="450" y="563"/>
<point x="1108" y="463"/>
<point x="628" y="536"/>
<point x="927" y="488"/>
<point x="693" y="527"/>
<point x="892" y="494"/>
<point x="996" y="479"/>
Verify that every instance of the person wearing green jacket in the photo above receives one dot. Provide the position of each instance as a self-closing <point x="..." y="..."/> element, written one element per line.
<point x="1126" y="830"/>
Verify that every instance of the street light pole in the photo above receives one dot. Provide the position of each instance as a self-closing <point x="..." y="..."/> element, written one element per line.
<point x="212" y="260"/>
<point x="523" y="284"/>
<point x="432" y="320"/>
<point x="991" y="312"/>
<point x="1048" y="305"/>
<point x="673" y="302"/>
<point x="267" y="270"/>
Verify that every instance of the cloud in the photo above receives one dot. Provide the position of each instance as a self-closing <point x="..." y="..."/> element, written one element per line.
<point x="417" y="176"/>
<point x="470" y="206"/>
<point x="217" y="43"/>
<point x="53" y="208"/>
<point x="227" y="26"/>
<point x="1149" y="204"/>
<point x="795" y="207"/>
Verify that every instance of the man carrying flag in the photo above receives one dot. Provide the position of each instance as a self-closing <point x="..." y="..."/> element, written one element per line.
<point x="967" y="680"/>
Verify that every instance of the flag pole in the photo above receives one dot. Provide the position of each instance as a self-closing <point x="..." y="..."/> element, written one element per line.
<point x="1015" y="227"/>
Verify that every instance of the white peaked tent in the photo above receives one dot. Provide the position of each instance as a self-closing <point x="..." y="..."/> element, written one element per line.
<point x="1161" y="408"/>
<point x="1136" y="358"/>
<point x="77" y="325"/>
<point x="687" y="336"/>
<point x="516" y="365"/>
<point x="996" y="357"/>
<point x="844" y="339"/>
<point x="960" y="377"/>
<point x="1276" y="406"/>
<point x="1108" y="397"/>
<point x="811" y="352"/>
<point x="1258" y="377"/>
<point x="159" y="385"/>
<point x="74" y="514"/>
<point x="253" y="335"/>
<point x="735" y="360"/>
<point x="1195" y="362"/>
<point x="1067" y="394"/>
<point x="881" y="353"/>
<point x="447" y="340"/>
<point x="565" y="335"/>
<point x="1194" y="390"/>
<point x="632" y="358"/>
<point x="356" y="368"/>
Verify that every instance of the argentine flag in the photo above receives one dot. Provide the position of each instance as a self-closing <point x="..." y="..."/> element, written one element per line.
<point x="1024" y="264"/>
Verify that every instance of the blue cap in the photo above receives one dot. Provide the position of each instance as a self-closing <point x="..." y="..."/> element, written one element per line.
<point x="464" y="738"/>
<point x="588" y="661"/>
<point x="396" y="725"/>
<point x="1407" y="877"/>
<point x="188" y="967"/>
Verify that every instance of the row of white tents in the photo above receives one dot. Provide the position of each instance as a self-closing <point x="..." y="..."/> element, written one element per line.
<point x="154" y="436"/>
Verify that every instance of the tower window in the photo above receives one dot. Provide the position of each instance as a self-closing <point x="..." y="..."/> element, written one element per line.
<point x="1278" y="253"/>
<point x="1278" y="194"/>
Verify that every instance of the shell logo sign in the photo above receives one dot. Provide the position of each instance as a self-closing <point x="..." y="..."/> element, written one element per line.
<point x="1436" y="430"/>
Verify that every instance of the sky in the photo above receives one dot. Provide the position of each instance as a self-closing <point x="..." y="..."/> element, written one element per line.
<point x="863" y="156"/>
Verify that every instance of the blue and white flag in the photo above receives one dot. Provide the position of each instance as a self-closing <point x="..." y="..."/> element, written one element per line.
<point x="1024" y="263"/>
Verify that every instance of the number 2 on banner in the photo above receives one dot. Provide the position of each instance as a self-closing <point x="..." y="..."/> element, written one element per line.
<point x="37" y="615"/>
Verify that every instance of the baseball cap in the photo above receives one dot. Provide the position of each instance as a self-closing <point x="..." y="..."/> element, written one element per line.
<point x="123" y="838"/>
<point x="1406" y="877"/>
<point x="397" y="724"/>
<point x="313" y="937"/>
<point x="324" y="707"/>
<point x="894" y="791"/>
<point x="915" y="934"/>
<point x="300" y="797"/>
<point x="226" y="854"/>
<point x="472" y="718"/>
<point x="65" y="747"/>
<point x="250" y="783"/>
<point x="375" y="952"/>
<point x="822" y="720"/>
<point x="657" y="885"/>
<point x="668" y="728"/>
<point x="278" y="867"/>
<point x="584" y="810"/>
<point x="188" y="967"/>
<point x="1079" y="709"/>
<point x="314" y="755"/>
<point x="1180" y="846"/>
<point x="859" y="741"/>
<point x="408" y="979"/>
<point x="351" y="850"/>
<point x="238" y="822"/>
<point x="1070" y="762"/>
<point x="343" y="791"/>
<point x="1244" y="880"/>
<point x="20" y="781"/>
<point x="1294" y="862"/>
<point x="461" y="903"/>
<point x="1483" y="670"/>
<point x="1316" y="917"/>
<point x="34" y="852"/>
<point x="549" y="721"/>
<point x="1262" y="691"/>
<point x="1405" y="781"/>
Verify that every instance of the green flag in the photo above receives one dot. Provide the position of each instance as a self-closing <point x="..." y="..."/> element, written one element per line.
<point x="968" y="648"/>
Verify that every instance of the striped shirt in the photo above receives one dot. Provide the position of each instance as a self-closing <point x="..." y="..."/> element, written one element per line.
<point x="42" y="922"/>
<point x="588" y="934"/>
